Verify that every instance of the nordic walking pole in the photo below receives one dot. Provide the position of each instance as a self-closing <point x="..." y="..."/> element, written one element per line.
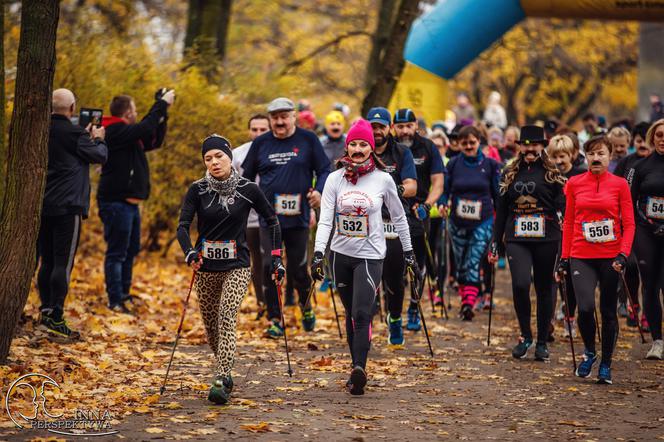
<point x="631" y="301"/>
<point x="334" y="303"/>
<point x="281" y="308"/>
<point x="177" y="336"/>
<point x="442" y="268"/>
<point x="493" y="288"/>
<point x="430" y="278"/>
<point x="599" y="332"/>
<point x="563" y="288"/>
<point x="415" y="290"/>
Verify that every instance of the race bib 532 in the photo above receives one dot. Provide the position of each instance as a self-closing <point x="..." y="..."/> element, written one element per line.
<point x="353" y="225"/>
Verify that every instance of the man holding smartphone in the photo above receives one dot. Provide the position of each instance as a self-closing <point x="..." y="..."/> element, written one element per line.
<point x="124" y="184"/>
<point x="71" y="150"/>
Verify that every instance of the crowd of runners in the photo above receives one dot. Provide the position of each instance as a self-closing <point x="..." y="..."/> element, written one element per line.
<point x="381" y="208"/>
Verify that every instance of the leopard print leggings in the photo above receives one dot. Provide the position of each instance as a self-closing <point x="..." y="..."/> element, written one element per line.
<point x="219" y="297"/>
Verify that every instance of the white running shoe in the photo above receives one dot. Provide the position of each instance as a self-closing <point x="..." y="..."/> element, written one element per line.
<point x="656" y="351"/>
<point x="566" y="329"/>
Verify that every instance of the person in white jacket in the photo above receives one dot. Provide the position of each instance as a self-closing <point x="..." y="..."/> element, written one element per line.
<point x="494" y="114"/>
<point x="351" y="205"/>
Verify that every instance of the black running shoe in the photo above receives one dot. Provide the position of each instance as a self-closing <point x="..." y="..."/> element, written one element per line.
<point x="60" y="329"/>
<point x="541" y="352"/>
<point x="120" y="308"/>
<point x="357" y="381"/>
<point x="520" y="350"/>
<point x="467" y="312"/>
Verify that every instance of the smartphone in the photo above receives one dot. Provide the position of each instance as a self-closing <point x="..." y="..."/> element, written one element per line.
<point x="89" y="115"/>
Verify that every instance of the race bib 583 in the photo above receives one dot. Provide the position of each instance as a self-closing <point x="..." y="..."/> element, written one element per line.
<point x="529" y="226"/>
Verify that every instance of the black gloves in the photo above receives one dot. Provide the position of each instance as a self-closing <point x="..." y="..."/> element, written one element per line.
<point x="659" y="231"/>
<point x="493" y="248"/>
<point x="317" y="266"/>
<point x="277" y="268"/>
<point x="412" y="267"/>
<point x="621" y="260"/>
<point x="400" y="189"/>
<point x="563" y="266"/>
<point x="192" y="256"/>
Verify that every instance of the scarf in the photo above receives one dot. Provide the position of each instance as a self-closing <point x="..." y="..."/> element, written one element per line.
<point x="353" y="170"/>
<point x="225" y="189"/>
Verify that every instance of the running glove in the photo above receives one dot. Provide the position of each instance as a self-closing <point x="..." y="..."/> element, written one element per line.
<point x="411" y="266"/>
<point x="563" y="266"/>
<point x="422" y="211"/>
<point x="278" y="268"/>
<point x="192" y="256"/>
<point x="317" y="266"/>
<point x="659" y="231"/>
<point x="621" y="260"/>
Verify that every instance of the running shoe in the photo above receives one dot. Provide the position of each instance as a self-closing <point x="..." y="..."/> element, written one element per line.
<point x="645" y="327"/>
<point x="501" y="263"/>
<point x="487" y="301"/>
<point x="572" y="325"/>
<point x="437" y="299"/>
<point x="60" y="329"/>
<point x="357" y="381"/>
<point x="220" y="391"/>
<point x="604" y="374"/>
<point x="275" y="330"/>
<point x="120" y="308"/>
<point x="586" y="366"/>
<point x="541" y="352"/>
<point x="309" y="320"/>
<point x="656" y="352"/>
<point x="414" y="322"/>
<point x="467" y="312"/>
<point x="622" y="310"/>
<point x="632" y="318"/>
<point x="324" y="285"/>
<point x="479" y="303"/>
<point x="395" y="331"/>
<point x="520" y="350"/>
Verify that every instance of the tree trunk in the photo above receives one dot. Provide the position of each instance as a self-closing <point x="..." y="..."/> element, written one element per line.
<point x="28" y="158"/>
<point x="3" y="144"/>
<point x="392" y="63"/>
<point x="379" y="40"/>
<point x="207" y="28"/>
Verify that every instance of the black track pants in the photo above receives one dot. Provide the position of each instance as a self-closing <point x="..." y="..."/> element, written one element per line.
<point x="295" y="243"/>
<point x="254" y="243"/>
<point x="649" y="250"/>
<point x="357" y="280"/>
<point x="586" y="274"/>
<point x="57" y="244"/>
<point x="533" y="261"/>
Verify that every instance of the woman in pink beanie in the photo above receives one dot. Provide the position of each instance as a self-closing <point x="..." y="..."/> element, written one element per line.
<point x="351" y="204"/>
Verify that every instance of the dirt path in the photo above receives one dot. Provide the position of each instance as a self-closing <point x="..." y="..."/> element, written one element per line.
<point x="468" y="392"/>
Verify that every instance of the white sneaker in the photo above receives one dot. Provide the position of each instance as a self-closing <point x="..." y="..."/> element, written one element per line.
<point x="566" y="329"/>
<point x="656" y="351"/>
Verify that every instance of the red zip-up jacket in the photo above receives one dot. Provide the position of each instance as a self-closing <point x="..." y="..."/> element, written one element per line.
<point x="597" y="198"/>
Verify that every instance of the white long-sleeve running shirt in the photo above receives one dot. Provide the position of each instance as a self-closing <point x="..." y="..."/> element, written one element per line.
<point x="355" y="211"/>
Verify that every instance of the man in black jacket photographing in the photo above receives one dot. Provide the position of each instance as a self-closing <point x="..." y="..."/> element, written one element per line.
<point x="71" y="150"/>
<point x="124" y="184"/>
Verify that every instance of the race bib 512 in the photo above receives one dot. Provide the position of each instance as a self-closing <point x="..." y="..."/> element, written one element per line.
<point x="287" y="204"/>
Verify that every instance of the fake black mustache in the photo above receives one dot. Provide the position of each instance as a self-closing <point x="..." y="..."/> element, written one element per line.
<point x="596" y="163"/>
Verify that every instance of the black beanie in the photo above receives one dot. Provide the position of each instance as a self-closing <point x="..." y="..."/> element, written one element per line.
<point x="215" y="141"/>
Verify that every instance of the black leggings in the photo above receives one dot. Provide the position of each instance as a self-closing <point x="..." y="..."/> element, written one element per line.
<point x="540" y="259"/>
<point x="649" y="250"/>
<point x="57" y="244"/>
<point x="393" y="279"/>
<point x="586" y="273"/>
<point x="295" y="242"/>
<point x="254" y="243"/>
<point x="357" y="281"/>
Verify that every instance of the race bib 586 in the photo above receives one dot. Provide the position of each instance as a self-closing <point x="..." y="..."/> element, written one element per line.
<point x="219" y="249"/>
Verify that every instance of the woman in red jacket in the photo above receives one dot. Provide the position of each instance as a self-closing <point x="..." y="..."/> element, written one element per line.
<point x="597" y="239"/>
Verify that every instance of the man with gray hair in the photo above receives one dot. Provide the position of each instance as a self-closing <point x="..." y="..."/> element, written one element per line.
<point x="71" y="150"/>
<point x="287" y="159"/>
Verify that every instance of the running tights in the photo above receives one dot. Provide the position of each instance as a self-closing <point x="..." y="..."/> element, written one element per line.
<point x="357" y="280"/>
<point x="540" y="259"/>
<point x="586" y="274"/>
<point x="650" y="254"/>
